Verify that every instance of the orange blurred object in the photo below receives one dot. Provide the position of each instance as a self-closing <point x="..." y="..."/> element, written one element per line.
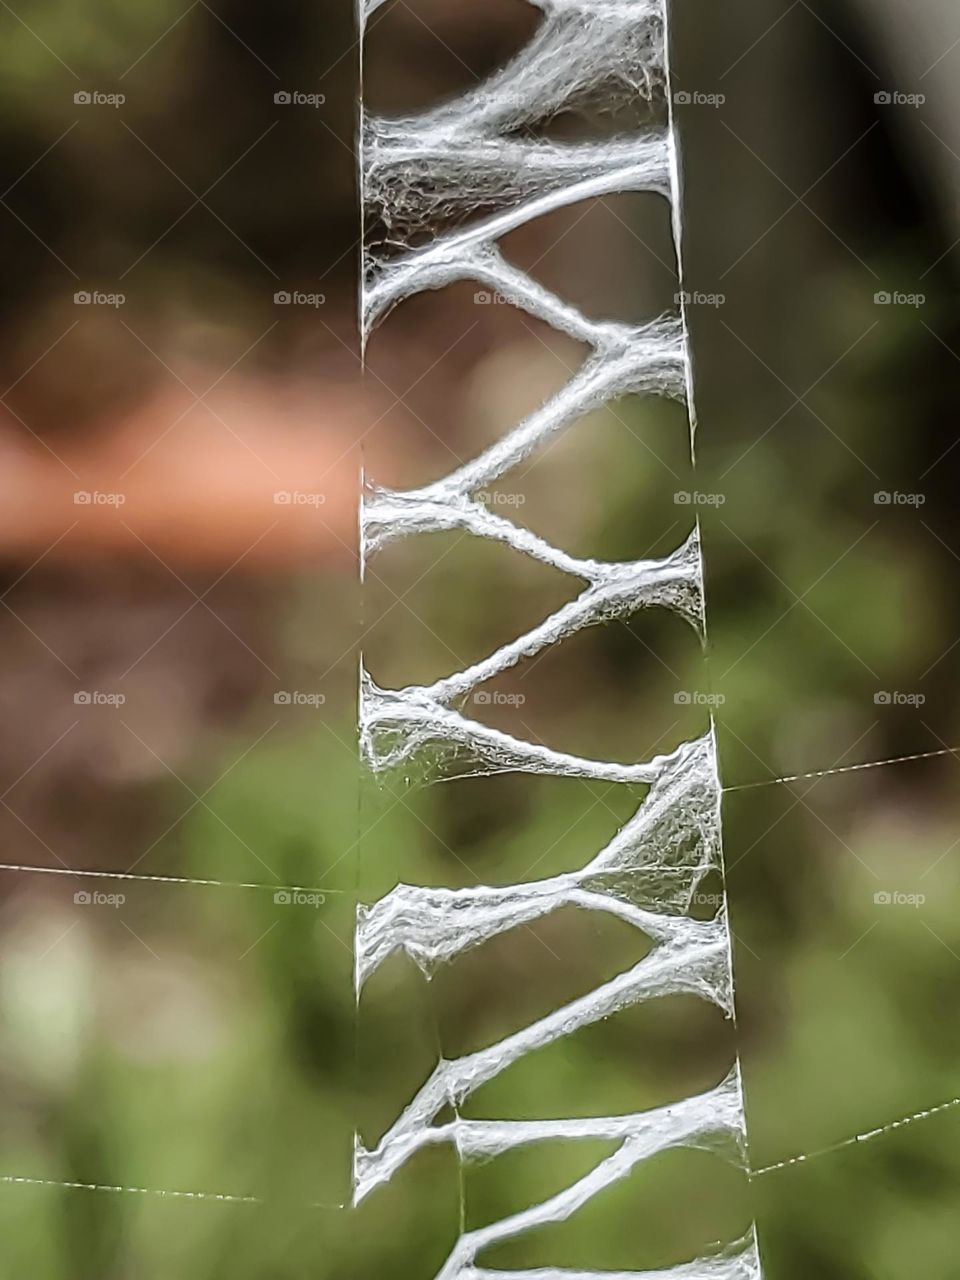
<point x="255" y="472"/>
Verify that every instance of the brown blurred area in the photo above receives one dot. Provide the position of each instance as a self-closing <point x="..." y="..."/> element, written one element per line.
<point x="177" y="442"/>
<point x="179" y="214"/>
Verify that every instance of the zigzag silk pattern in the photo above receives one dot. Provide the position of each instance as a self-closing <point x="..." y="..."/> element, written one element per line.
<point x="445" y="186"/>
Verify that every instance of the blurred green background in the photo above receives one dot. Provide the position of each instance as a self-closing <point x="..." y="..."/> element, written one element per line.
<point x="202" y="1037"/>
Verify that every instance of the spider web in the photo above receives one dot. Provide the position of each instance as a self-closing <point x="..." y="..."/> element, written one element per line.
<point x="442" y="189"/>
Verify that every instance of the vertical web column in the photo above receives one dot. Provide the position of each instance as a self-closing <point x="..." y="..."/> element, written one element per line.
<point x="441" y="190"/>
